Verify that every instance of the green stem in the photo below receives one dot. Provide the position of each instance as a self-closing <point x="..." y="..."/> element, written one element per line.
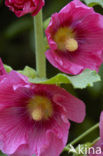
<point x="82" y="136"/>
<point x="39" y="45"/>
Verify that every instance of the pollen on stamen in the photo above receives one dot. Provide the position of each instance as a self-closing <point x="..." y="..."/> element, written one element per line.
<point x="71" y="45"/>
<point x="40" y="108"/>
<point x="37" y="114"/>
<point x="62" y="35"/>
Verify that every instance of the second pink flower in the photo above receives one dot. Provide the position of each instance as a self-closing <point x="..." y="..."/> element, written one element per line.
<point x="75" y="37"/>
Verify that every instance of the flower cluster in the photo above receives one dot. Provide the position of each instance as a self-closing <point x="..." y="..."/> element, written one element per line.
<point x="34" y="117"/>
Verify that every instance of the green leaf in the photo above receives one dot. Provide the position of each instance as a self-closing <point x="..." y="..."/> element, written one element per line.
<point x="7" y="68"/>
<point x="92" y="3"/>
<point x="83" y="80"/>
<point x="29" y="72"/>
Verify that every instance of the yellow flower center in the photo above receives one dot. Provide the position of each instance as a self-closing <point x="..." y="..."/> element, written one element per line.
<point x="65" y="39"/>
<point x="40" y="108"/>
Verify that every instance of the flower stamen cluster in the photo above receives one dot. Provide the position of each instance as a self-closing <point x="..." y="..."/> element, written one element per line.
<point x="40" y="108"/>
<point x="65" y="39"/>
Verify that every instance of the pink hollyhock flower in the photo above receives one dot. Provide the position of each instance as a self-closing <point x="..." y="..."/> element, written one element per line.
<point x="98" y="147"/>
<point x="22" y="7"/>
<point x="34" y="117"/>
<point x="75" y="37"/>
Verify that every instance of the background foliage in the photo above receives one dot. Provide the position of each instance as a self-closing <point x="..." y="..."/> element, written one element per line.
<point x="17" y="50"/>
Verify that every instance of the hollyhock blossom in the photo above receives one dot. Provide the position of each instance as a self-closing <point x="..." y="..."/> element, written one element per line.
<point x="99" y="144"/>
<point x="34" y="117"/>
<point x="22" y="7"/>
<point x="75" y="37"/>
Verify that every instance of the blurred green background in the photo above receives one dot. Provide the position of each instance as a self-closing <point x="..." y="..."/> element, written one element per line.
<point x="17" y="50"/>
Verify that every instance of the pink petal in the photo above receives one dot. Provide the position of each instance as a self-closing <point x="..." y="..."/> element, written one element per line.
<point x="12" y="131"/>
<point x="23" y="150"/>
<point x="77" y="4"/>
<point x="45" y="142"/>
<point x="50" y="141"/>
<point x="74" y="108"/>
<point x="14" y="87"/>
<point x="101" y="125"/>
<point x="90" y="34"/>
<point x="63" y="63"/>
